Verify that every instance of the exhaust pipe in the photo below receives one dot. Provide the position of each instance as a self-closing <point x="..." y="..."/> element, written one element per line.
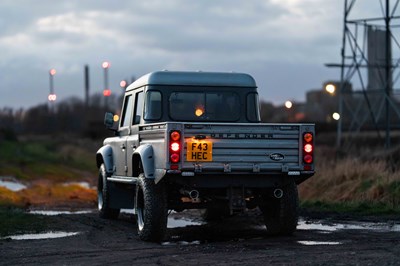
<point x="278" y="193"/>
<point x="194" y="194"/>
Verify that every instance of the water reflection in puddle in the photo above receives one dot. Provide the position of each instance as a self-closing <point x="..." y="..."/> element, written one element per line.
<point x="48" y="235"/>
<point x="181" y="243"/>
<point x="11" y="184"/>
<point x="173" y="222"/>
<point x="81" y="184"/>
<point x="314" y="243"/>
<point x="54" y="213"/>
<point x="303" y="225"/>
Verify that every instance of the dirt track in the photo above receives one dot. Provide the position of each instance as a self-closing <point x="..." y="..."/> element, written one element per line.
<point x="235" y="241"/>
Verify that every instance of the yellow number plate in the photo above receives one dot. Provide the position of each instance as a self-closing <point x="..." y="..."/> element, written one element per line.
<point x="199" y="151"/>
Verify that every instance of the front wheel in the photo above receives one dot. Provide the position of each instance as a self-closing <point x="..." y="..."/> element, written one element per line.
<point x="103" y="196"/>
<point x="281" y="215"/>
<point x="151" y="209"/>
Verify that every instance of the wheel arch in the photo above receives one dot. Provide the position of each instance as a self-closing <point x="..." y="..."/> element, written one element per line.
<point x="143" y="161"/>
<point x="105" y="156"/>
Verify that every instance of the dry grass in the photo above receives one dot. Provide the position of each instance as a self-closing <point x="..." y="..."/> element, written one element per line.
<point x="365" y="176"/>
<point x="45" y="165"/>
<point x="45" y="194"/>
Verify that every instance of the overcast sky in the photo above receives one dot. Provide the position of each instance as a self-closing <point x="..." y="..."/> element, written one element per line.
<point x="283" y="44"/>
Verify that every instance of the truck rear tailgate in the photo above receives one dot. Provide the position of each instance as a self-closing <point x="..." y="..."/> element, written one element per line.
<point x="243" y="147"/>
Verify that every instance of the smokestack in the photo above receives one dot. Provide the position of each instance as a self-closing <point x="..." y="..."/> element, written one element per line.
<point x="86" y="86"/>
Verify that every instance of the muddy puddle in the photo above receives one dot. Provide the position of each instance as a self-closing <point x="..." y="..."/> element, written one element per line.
<point x="81" y="184"/>
<point x="331" y="227"/>
<point x="177" y="221"/>
<point x="315" y="243"/>
<point x="47" y="235"/>
<point x="11" y="183"/>
<point x="54" y="213"/>
<point x="173" y="222"/>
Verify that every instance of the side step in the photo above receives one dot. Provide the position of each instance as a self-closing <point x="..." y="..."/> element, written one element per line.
<point x="123" y="179"/>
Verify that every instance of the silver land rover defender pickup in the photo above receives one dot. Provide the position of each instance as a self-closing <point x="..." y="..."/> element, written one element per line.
<point x="194" y="140"/>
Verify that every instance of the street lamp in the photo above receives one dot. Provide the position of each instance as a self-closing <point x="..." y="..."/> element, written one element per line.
<point x="288" y="104"/>
<point x="330" y="88"/>
<point x="106" y="92"/>
<point x="336" y="116"/>
<point x="123" y="84"/>
<point x="52" y="96"/>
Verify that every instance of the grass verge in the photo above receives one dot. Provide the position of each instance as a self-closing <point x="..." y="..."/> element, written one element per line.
<point x="15" y="221"/>
<point x="48" y="159"/>
<point x="350" y="208"/>
<point x="364" y="182"/>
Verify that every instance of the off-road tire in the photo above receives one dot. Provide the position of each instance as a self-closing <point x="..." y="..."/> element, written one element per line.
<point x="151" y="209"/>
<point x="103" y="196"/>
<point x="281" y="215"/>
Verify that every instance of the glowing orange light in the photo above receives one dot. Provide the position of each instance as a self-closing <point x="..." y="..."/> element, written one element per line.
<point x="199" y="112"/>
<point x="105" y="64"/>
<point x="116" y="118"/>
<point x="330" y="88"/>
<point x="106" y="93"/>
<point x="308" y="137"/>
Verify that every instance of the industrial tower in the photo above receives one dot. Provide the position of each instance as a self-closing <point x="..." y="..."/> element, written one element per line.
<point x="369" y="50"/>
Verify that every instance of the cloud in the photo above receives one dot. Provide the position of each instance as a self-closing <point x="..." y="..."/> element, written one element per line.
<point x="142" y="36"/>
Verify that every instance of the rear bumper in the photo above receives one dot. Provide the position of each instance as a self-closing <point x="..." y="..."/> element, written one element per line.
<point x="210" y="180"/>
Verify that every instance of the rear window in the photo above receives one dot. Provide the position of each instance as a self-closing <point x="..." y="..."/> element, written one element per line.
<point x="200" y="106"/>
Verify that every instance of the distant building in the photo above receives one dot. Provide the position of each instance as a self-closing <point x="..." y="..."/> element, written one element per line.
<point x="322" y="103"/>
<point x="377" y="62"/>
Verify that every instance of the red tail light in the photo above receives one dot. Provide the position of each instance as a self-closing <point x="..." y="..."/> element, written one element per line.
<point x="174" y="147"/>
<point x="308" y="148"/>
<point x="308" y="158"/>
<point x="175" y="135"/>
<point x="174" y="158"/>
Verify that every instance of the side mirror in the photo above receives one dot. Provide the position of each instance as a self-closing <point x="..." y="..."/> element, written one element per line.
<point x="109" y="120"/>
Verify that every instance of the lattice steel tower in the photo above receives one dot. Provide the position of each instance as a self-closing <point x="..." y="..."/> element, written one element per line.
<point x="369" y="48"/>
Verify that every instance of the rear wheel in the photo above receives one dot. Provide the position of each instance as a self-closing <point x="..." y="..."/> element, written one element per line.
<point x="103" y="196"/>
<point x="281" y="215"/>
<point x="151" y="209"/>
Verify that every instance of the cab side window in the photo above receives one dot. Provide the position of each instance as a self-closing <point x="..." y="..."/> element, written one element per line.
<point x="153" y="106"/>
<point x="252" y="107"/>
<point x="139" y="108"/>
<point x="127" y="111"/>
